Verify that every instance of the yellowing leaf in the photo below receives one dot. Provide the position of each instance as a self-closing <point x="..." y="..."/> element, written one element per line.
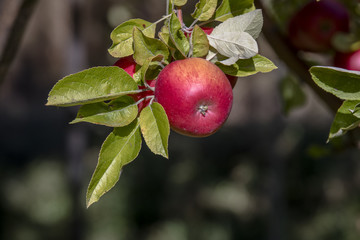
<point x="155" y="128"/>
<point x="122" y="36"/>
<point x="204" y="10"/>
<point x="120" y="148"/>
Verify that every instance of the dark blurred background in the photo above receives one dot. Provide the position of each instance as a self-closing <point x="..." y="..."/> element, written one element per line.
<point x="263" y="176"/>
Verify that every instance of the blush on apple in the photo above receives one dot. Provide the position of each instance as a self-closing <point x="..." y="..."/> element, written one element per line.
<point x="232" y="79"/>
<point x="129" y="65"/>
<point x="350" y="61"/>
<point x="313" y="26"/>
<point x="196" y="96"/>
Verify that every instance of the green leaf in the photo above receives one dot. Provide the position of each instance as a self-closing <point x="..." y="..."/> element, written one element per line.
<point x="247" y="67"/>
<point x="204" y="10"/>
<point x="150" y="69"/>
<point x="155" y="128"/>
<point x="120" y="148"/>
<point x="179" y="3"/>
<point x="122" y="36"/>
<point x="145" y="47"/>
<point x="345" y="119"/>
<point x="235" y="38"/>
<point x="200" y="42"/>
<point x="117" y="113"/>
<point x="178" y="37"/>
<point x="292" y="94"/>
<point x="91" y="85"/>
<point x="344" y="84"/>
<point x="232" y="8"/>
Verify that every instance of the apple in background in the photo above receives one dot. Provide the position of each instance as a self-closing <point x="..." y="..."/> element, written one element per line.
<point x="350" y="61"/>
<point x="232" y="79"/>
<point x="196" y="96"/>
<point x="314" y="25"/>
<point x="129" y="65"/>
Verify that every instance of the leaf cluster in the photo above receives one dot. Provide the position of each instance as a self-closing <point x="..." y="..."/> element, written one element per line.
<point x="104" y="93"/>
<point x="344" y="84"/>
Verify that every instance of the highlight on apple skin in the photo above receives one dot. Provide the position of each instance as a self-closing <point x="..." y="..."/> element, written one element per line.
<point x="208" y="31"/>
<point x="196" y="95"/>
<point x="313" y="26"/>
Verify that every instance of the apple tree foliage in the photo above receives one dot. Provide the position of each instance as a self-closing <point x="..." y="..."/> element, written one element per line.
<point x="103" y="92"/>
<point x="344" y="84"/>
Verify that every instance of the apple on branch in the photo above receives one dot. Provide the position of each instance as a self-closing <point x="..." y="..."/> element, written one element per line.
<point x="208" y="31"/>
<point x="129" y="65"/>
<point x="313" y="26"/>
<point x="196" y="96"/>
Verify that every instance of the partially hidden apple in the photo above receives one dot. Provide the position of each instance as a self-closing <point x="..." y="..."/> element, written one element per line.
<point x="196" y="96"/>
<point x="232" y="79"/>
<point x="313" y="26"/>
<point x="129" y="65"/>
<point x="350" y="61"/>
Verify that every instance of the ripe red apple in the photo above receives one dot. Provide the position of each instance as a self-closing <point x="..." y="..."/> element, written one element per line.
<point x="208" y="31"/>
<point x="350" y="61"/>
<point x="129" y="65"/>
<point x="196" y="96"/>
<point x="314" y="25"/>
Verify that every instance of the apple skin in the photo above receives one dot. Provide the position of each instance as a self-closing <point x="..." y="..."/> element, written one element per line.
<point x="129" y="65"/>
<point x="232" y="79"/>
<point x="196" y="96"/>
<point x="314" y="25"/>
<point x="349" y="61"/>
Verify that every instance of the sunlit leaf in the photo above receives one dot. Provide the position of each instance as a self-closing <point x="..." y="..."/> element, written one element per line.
<point x="235" y="38"/>
<point x="204" y="10"/>
<point x="117" y="113"/>
<point x="247" y="67"/>
<point x="232" y="8"/>
<point x="155" y="128"/>
<point x="179" y="3"/>
<point x="145" y="47"/>
<point x="177" y="36"/>
<point x="122" y="36"/>
<point x="120" y="148"/>
<point x="342" y="83"/>
<point x="91" y="85"/>
<point x="250" y="23"/>
<point x="200" y="42"/>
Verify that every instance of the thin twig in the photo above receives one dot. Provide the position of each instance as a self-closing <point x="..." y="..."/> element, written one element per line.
<point x="16" y="34"/>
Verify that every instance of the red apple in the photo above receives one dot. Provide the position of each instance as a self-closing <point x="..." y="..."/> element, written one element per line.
<point x="129" y="65"/>
<point x="314" y="25"/>
<point x="196" y="96"/>
<point x="208" y="31"/>
<point x="350" y="61"/>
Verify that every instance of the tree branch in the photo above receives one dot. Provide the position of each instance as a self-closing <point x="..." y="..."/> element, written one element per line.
<point x="15" y="36"/>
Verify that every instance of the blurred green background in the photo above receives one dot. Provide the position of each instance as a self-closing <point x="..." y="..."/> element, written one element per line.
<point x="263" y="176"/>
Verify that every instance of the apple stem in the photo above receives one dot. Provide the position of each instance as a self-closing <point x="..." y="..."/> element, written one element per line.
<point x="140" y="90"/>
<point x="193" y="24"/>
<point x="148" y="87"/>
<point x="179" y="15"/>
<point x="141" y="100"/>
<point x="161" y="65"/>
